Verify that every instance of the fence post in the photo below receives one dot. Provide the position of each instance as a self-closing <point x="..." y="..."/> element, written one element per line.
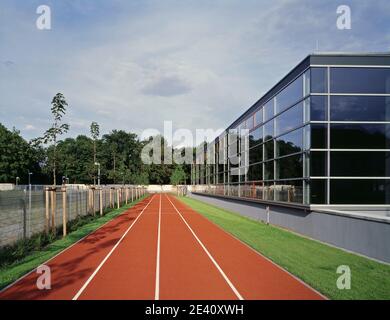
<point x="132" y="195"/>
<point x="118" y="199"/>
<point x="24" y="215"/>
<point x="47" y="216"/>
<point x="64" y="216"/>
<point x="93" y="201"/>
<point x="127" y="194"/>
<point x="53" y="209"/>
<point x="101" y="201"/>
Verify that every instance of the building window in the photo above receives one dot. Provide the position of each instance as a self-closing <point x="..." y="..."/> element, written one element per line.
<point x="318" y="108"/>
<point x="359" y="108"/>
<point x="256" y="154"/>
<point x="289" y="143"/>
<point x="269" y="130"/>
<point x="360" y="80"/>
<point x="290" y="119"/>
<point x="318" y="191"/>
<point x="318" y="163"/>
<point x="289" y="95"/>
<point x="319" y="80"/>
<point x="268" y="110"/>
<point x="355" y="191"/>
<point x="360" y="136"/>
<point x="289" y="191"/>
<point x="255" y="172"/>
<point x="256" y="137"/>
<point x="289" y="167"/>
<point x="269" y="170"/>
<point x="269" y="150"/>
<point x="360" y="164"/>
<point x="319" y="136"/>
<point x="258" y="117"/>
<point x="249" y="123"/>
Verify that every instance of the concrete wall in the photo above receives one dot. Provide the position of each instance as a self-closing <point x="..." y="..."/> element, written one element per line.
<point x="364" y="236"/>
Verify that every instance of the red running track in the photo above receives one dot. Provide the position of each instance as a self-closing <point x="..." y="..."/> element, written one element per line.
<point x="161" y="249"/>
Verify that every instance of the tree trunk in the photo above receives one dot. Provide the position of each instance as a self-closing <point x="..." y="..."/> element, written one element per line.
<point x="94" y="161"/>
<point x="54" y="164"/>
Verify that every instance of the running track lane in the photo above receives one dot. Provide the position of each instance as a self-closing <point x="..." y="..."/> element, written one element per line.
<point x="171" y="252"/>
<point x="254" y="276"/>
<point x="72" y="267"/>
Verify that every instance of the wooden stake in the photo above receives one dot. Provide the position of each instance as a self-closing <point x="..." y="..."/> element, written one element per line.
<point x="47" y="212"/>
<point x="53" y="209"/>
<point x="64" y="215"/>
<point x="101" y="201"/>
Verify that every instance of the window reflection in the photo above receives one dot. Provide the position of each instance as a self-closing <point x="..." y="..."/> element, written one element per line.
<point x="256" y="137"/>
<point x="268" y="110"/>
<point x="290" y="119"/>
<point x="289" y="95"/>
<point x="268" y="170"/>
<point x="289" y="143"/>
<point x="256" y="154"/>
<point x="359" y="108"/>
<point x="289" y="191"/>
<point x="318" y="191"/>
<point x="319" y="80"/>
<point x="360" y="164"/>
<point x="269" y="130"/>
<point x="318" y="163"/>
<point x="318" y="108"/>
<point x="255" y="172"/>
<point x="354" y="191"/>
<point x="269" y="150"/>
<point x="360" y="80"/>
<point x="360" y="136"/>
<point x="319" y="136"/>
<point x="289" y="167"/>
<point x="258" y="117"/>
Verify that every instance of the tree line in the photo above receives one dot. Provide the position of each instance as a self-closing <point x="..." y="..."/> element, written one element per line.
<point x="52" y="160"/>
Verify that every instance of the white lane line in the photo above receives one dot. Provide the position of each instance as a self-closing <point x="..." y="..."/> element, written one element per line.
<point x="67" y="248"/>
<point x="209" y="255"/>
<point x="157" y="287"/>
<point x="109" y="254"/>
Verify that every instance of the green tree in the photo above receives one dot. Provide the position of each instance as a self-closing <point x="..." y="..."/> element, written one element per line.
<point x="18" y="157"/>
<point x="58" y="110"/>
<point x="76" y="159"/>
<point x="178" y="176"/>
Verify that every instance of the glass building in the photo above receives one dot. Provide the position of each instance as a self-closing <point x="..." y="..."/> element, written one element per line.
<point x="321" y="136"/>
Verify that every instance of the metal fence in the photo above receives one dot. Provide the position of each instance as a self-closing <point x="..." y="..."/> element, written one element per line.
<point x="26" y="210"/>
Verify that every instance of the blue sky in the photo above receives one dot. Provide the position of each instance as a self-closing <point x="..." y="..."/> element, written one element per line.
<point x="133" y="64"/>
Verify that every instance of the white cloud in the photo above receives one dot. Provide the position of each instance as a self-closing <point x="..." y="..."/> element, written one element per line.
<point x="135" y="66"/>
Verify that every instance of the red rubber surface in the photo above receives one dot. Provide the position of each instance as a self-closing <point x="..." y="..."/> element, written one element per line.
<point x="161" y="249"/>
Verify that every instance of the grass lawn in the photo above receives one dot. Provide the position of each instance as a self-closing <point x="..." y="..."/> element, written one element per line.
<point x="9" y="274"/>
<point x="313" y="262"/>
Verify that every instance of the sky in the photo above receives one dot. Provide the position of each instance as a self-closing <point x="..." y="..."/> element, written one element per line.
<point x="131" y="64"/>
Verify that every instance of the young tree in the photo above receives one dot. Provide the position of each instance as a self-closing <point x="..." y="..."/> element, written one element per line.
<point x="178" y="176"/>
<point x="58" y="110"/>
<point x="95" y="133"/>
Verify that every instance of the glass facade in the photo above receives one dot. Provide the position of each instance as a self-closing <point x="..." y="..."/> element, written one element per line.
<point x="322" y="139"/>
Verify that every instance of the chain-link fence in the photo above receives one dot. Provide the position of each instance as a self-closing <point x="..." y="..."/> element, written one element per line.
<point x="26" y="210"/>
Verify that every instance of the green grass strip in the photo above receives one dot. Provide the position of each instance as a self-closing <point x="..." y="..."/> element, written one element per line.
<point x="11" y="273"/>
<point x="312" y="261"/>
